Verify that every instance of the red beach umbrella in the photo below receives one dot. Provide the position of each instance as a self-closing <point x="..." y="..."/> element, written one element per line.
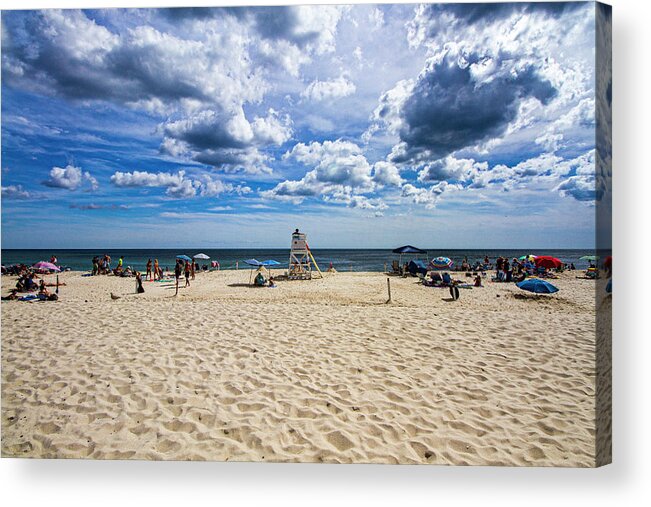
<point x="549" y="262"/>
<point x="608" y="262"/>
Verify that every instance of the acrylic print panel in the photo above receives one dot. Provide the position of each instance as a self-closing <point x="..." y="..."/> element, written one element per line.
<point x="340" y="234"/>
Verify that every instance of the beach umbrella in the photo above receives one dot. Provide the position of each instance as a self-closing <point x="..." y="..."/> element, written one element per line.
<point x="537" y="286"/>
<point x="589" y="258"/>
<point x="270" y="262"/>
<point x="608" y="262"/>
<point x="201" y="256"/>
<point x="183" y="258"/>
<point x="441" y="263"/>
<point x="46" y="265"/>
<point x="253" y="262"/>
<point x="549" y="262"/>
<point x="527" y="257"/>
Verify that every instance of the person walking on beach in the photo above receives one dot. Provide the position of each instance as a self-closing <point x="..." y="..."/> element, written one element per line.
<point x="107" y="263"/>
<point x="155" y="269"/>
<point x="187" y="274"/>
<point x="148" y="272"/>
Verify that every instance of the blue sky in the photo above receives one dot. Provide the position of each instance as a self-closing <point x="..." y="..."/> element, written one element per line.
<point x="367" y="126"/>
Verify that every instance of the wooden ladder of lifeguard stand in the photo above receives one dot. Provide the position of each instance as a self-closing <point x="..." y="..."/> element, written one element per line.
<point x="301" y="259"/>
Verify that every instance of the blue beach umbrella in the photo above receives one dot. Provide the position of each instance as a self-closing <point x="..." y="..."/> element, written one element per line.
<point x="253" y="262"/>
<point x="184" y="258"/>
<point x="442" y="263"/>
<point x="537" y="286"/>
<point x="270" y="262"/>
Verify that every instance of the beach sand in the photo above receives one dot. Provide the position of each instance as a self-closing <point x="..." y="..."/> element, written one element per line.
<point x="311" y="371"/>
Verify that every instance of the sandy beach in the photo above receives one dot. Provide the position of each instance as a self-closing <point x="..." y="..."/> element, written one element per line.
<point x="310" y="371"/>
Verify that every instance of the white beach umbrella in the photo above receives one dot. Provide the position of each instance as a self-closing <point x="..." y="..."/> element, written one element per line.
<point x="201" y="256"/>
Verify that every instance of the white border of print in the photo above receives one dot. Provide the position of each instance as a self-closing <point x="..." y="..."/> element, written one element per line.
<point x="72" y="482"/>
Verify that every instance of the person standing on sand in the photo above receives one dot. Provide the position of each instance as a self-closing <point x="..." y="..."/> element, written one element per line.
<point x="148" y="272"/>
<point x="192" y="270"/>
<point x="155" y="269"/>
<point x="187" y="274"/>
<point x="177" y="275"/>
<point x="107" y="263"/>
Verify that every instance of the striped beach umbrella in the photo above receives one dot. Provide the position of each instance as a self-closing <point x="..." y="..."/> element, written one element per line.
<point x="441" y="263"/>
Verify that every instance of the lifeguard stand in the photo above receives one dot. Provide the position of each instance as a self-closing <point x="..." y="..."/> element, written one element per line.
<point x="301" y="259"/>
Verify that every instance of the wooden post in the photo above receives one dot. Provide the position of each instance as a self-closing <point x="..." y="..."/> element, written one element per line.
<point x="389" y="289"/>
<point x="57" y="291"/>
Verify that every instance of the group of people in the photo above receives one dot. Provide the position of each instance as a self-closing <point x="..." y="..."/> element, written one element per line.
<point x="38" y="290"/>
<point x="102" y="265"/>
<point x="261" y="281"/>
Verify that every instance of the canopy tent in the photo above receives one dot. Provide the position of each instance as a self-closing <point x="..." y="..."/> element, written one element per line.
<point x="409" y="250"/>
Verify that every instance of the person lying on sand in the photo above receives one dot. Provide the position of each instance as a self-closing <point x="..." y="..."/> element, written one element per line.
<point x="13" y="294"/>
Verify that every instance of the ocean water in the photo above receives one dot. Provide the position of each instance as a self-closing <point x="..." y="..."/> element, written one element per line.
<point x="341" y="259"/>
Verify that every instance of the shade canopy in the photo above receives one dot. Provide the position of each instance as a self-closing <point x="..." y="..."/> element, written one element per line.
<point x="549" y="262"/>
<point x="537" y="286"/>
<point x="417" y="266"/>
<point x="46" y="265"/>
<point x="202" y="256"/>
<point x="408" y="249"/>
<point x="441" y="263"/>
<point x="183" y="257"/>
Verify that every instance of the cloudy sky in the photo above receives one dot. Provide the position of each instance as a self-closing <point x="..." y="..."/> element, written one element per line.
<point x="458" y="126"/>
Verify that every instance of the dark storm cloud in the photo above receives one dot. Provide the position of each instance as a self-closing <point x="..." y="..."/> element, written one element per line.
<point x="447" y="110"/>
<point x="275" y="22"/>
<point x="71" y="56"/>
<point x="473" y="13"/>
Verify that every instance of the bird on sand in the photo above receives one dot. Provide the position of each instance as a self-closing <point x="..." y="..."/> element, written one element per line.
<point x="113" y="296"/>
